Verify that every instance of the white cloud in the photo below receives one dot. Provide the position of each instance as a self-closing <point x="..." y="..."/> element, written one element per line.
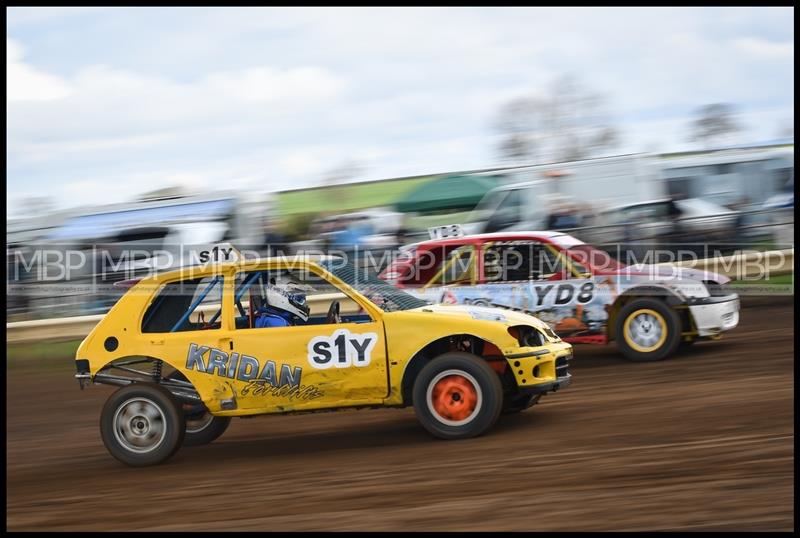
<point x="307" y="161"/>
<point x="33" y="151"/>
<point x="110" y="108"/>
<point x="24" y="83"/>
<point x="765" y="49"/>
<point x="263" y="84"/>
<point x="276" y="98"/>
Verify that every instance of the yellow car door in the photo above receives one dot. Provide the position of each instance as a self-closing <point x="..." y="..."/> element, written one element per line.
<point x="313" y="363"/>
<point x="184" y="325"/>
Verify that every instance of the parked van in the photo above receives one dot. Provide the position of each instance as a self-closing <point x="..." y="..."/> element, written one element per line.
<point x="584" y="187"/>
<point x="100" y="246"/>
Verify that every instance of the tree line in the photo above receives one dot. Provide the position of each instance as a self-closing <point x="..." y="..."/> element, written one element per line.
<point x="569" y="121"/>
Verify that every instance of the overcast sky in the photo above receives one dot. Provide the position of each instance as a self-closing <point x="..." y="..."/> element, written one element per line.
<point x="104" y="104"/>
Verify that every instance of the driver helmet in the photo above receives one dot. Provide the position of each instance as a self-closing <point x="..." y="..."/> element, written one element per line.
<point x="286" y="302"/>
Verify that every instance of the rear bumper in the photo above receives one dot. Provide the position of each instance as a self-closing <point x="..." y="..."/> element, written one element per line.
<point x="82" y="366"/>
<point x="713" y="315"/>
<point x="83" y="374"/>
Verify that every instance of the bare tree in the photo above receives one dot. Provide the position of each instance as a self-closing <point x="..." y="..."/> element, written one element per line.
<point x="713" y="122"/>
<point x="516" y="148"/>
<point x="338" y="176"/>
<point x="568" y="123"/>
<point x="342" y="173"/>
<point x="520" y="122"/>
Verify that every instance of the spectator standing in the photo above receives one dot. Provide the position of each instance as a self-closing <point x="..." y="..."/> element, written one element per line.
<point x="273" y="240"/>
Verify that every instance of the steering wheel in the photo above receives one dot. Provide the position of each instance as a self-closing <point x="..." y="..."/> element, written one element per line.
<point x="333" y="313"/>
<point x="201" y="319"/>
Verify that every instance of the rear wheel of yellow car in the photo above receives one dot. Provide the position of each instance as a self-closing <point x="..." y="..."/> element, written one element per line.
<point x="647" y="330"/>
<point x="141" y="425"/>
<point x="457" y="395"/>
<point x="201" y="426"/>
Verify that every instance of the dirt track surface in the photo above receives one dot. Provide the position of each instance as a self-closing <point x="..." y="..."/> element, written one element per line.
<point x="702" y="441"/>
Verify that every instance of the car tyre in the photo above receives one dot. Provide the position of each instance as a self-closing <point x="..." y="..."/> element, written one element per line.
<point x="457" y="396"/>
<point x="203" y="428"/>
<point x="647" y="330"/>
<point x="141" y="424"/>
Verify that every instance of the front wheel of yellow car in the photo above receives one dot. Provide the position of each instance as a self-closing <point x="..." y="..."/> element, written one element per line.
<point x="141" y="425"/>
<point x="457" y="395"/>
<point x="647" y="330"/>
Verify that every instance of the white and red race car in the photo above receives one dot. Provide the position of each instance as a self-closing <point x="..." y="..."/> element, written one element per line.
<point x="585" y="295"/>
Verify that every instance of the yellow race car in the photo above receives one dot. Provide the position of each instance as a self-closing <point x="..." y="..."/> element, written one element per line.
<point x="196" y="346"/>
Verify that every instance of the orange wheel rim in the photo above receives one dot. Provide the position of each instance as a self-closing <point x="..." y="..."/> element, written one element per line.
<point x="454" y="397"/>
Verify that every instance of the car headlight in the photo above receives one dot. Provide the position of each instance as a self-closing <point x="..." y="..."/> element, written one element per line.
<point x="527" y="336"/>
<point x="715" y="289"/>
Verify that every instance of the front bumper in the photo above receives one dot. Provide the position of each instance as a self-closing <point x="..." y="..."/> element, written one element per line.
<point x="553" y="386"/>
<point x="713" y="315"/>
<point x="541" y="370"/>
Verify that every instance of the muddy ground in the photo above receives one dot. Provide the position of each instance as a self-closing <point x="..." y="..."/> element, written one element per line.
<point x="702" y="441"/>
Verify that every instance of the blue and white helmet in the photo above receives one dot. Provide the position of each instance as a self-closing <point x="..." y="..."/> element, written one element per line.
<point x="291" y="301"/>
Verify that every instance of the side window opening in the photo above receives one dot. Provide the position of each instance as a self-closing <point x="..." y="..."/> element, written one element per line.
<point x="550" y="263"/>
<point x="284" y="298"/>
<point x="186" y="305"/>
<point x="458" y="268"/>
<point x="514" y="261"/>
<point x="427" y="265"/>
<point x="507" y="213"/>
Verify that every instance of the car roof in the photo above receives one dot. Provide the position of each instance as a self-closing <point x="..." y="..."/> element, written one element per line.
<point x="496" y="236"/>
<point x="691" y="202"/>
<point x="636" y="204"/>
<point x="217" y="267"/>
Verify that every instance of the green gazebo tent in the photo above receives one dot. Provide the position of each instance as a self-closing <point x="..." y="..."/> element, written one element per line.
<point x="453" y="193"/>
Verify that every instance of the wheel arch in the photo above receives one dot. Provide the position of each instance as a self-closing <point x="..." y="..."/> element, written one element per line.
<point x="480" y="347"/>
<point x="658" y="292"/>
<point x="127" y="370"/>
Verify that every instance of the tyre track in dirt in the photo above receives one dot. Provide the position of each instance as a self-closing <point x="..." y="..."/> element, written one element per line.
<point x="702" y="441"/>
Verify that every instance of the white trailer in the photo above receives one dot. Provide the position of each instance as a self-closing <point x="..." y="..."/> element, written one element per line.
<point x="533" y="192"/>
